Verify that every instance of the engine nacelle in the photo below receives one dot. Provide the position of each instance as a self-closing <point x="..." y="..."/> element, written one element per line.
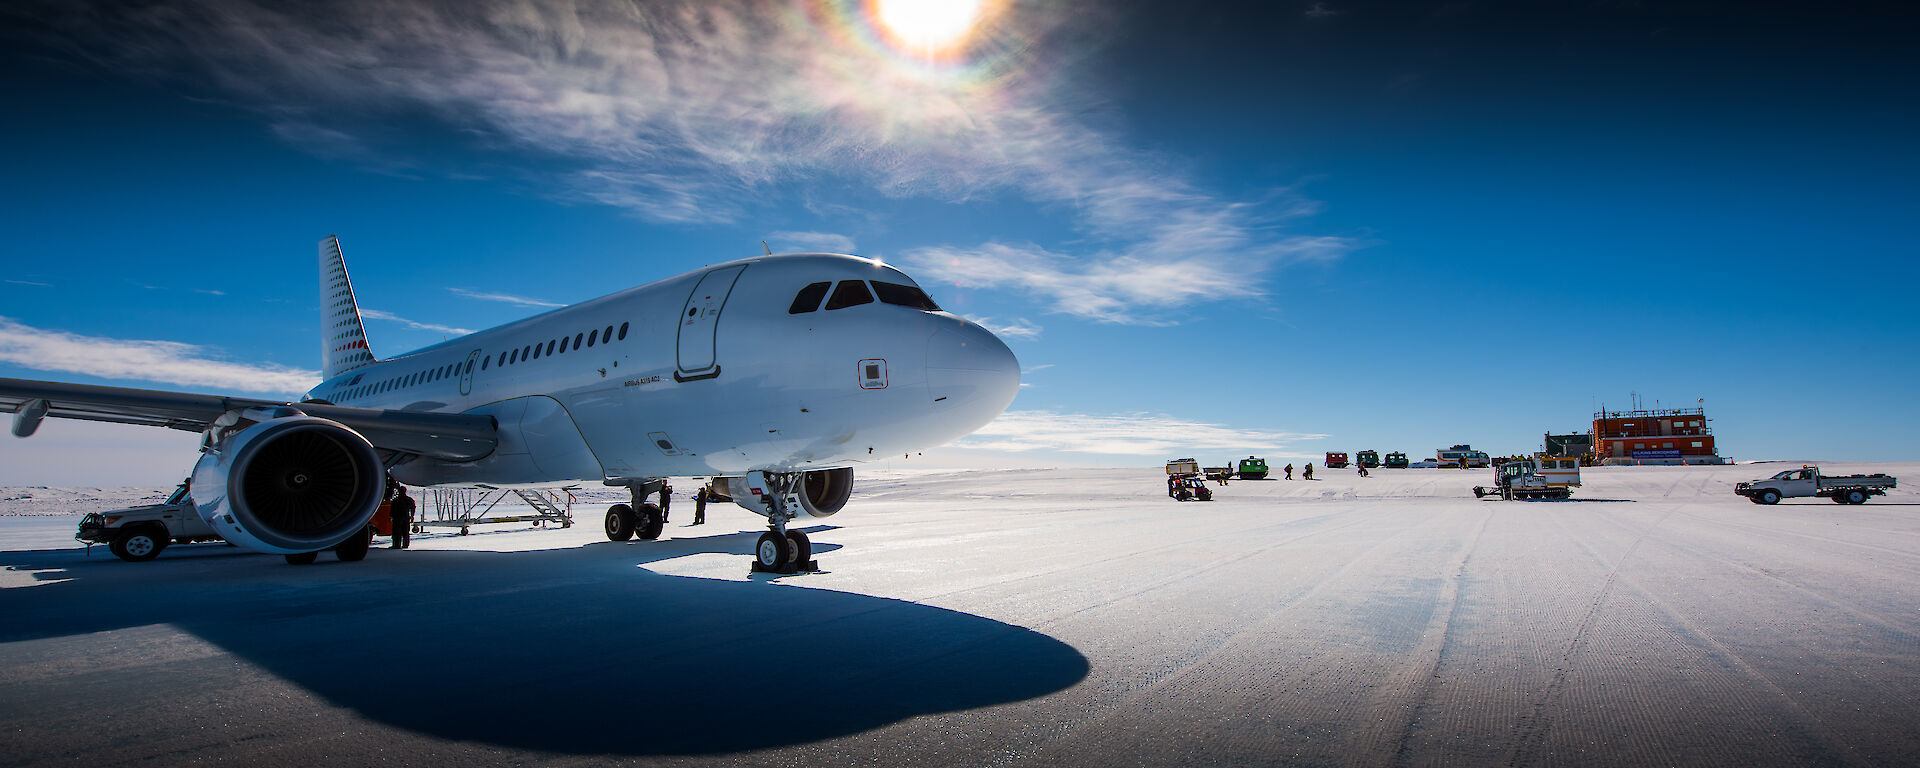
<point x="819" y="493"/>
<point x="284" y="482"/>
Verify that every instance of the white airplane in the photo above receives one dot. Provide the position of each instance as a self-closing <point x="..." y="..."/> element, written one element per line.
<point x="774" y="375"/>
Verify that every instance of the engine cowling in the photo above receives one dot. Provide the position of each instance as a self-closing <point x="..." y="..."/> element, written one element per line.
<point x="287" y="484"/>
<point x="819" y="493"/>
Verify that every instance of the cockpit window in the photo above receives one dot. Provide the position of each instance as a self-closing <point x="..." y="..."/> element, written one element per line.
<point x="904" y="296"/>
<point x="808" y="299"/>
<point x="849" y="293"/>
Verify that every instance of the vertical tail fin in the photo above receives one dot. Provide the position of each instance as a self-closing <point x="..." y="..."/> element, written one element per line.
<point x="343" y="345"/>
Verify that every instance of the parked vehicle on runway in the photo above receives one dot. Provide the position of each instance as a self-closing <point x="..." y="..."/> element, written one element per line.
<point x="1537" y="478"/>
<point x="1189" y="488"/>
<point x="1368" y="459"/>
<point x="137" y="534"/>
<point x="1253" y="468"/>
<point x="1335" y="460"/>
<point x="1462" y="457"/>
<point x="1395" y="460"/>
<point x="1807" y="481"/>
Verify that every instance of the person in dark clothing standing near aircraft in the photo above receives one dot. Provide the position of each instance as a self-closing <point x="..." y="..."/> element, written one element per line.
<point x="700" y="506"/>
<point x="666" y="501"/>
<point x="402" y="515"/>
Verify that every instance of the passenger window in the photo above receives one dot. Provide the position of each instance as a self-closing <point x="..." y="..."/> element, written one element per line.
<point x="536" y="351"/>
<point x="486" y="361"/>
<point x="607" y="335"/>
<point x="576" y="340"/>
<point x="904" y="296"/>
<point x="849" y="293"/>
<point x="526" y="353"/>
<point x="808" y="299"/>
<point x="549" y="346"/>
<point x="623" y="331"/>
<point x="591" y="337"/>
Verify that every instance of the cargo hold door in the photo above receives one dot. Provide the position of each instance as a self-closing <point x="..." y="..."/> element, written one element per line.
<point x="694" y="345"/>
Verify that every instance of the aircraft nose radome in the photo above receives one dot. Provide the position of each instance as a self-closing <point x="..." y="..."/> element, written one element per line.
<point x="971" y="368"/>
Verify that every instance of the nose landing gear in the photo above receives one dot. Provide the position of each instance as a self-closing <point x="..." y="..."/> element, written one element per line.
<point x="782" y="550"/>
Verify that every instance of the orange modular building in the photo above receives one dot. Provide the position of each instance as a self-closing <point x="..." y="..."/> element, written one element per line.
<point x="1666" y="436"/>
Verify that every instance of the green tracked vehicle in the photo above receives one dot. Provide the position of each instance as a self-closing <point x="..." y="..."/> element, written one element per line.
<point x="1395" y="460"/>
<point x="1368" y="459"/>
<point x="1253" y="468"/>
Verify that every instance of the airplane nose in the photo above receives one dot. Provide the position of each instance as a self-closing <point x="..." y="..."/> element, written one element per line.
<point x="970" y="369"/>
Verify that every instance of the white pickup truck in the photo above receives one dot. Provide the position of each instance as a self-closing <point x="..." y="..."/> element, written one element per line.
<point x="1807" y="481"/>
<point x="137" y="534"/>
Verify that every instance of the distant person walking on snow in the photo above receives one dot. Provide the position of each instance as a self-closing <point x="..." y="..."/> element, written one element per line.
<point x="1363" y="467"/>
<point x="1306" y="473"/>
<point x="401" y="516"/>
<point x="1289" y="471"/>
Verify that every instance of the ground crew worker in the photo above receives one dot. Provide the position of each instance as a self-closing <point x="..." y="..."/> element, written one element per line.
<point x="1363" y="467"/>
<point x="700" y="506"/>
<point x="1289" y="471"/>
<point x="1307" y="472"/>
<point x="666" y="501"/>
<point x="401" y="514"/>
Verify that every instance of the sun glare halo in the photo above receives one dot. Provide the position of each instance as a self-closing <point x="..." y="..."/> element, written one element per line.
<point x="929" y="27"/>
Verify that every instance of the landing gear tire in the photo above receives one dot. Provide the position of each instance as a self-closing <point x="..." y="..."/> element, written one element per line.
<point x="802" y="548"/>
<point x="648" y="521"/>
<point x="773" y="551"/>
<point x="354" y="549"/>
<point x="302" y="558"/>
<point x="137" y="545"/>
<point x="1769" y="496"/>
<point x="619" y="522"/>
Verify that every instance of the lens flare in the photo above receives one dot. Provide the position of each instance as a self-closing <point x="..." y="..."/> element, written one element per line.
<point x="929" y="27"/>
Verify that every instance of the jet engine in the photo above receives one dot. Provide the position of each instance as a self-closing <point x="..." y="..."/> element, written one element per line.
<point x="818" y="493"/>
<point x="280" y="481"/>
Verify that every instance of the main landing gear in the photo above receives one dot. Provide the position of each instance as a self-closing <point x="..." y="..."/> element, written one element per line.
<point x="782" y="550"/>
<point x="641" y="518"/>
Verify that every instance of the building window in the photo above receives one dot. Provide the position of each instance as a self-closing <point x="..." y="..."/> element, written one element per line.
<point x="1698" y="444"/>
<point x="1666" y="445"/>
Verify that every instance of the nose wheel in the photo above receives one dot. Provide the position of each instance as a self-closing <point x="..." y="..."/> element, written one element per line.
<point x="787" y="553"/>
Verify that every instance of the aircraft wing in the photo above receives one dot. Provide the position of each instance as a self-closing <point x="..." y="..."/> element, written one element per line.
<point x="449" y="436"/>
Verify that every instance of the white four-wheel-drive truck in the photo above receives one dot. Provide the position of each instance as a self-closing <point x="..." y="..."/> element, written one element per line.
<point x="137" y="534"/>
<point x="1807" y="481"/>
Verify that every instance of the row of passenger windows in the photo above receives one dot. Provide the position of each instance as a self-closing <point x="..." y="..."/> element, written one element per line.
<point x="852" y="293"/>
<point x="529" y="352"/>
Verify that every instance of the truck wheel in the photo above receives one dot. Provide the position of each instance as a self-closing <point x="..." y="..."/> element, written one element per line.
<point x="354" y="549"/>
<point x="1856" y="496"/>
<point x="1768" y="496"/>
<point x="137" y="544"/>
<point x="1838" y="499"/>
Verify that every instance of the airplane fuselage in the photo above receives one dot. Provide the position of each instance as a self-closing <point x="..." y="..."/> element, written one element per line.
<point x="722" y="370"/>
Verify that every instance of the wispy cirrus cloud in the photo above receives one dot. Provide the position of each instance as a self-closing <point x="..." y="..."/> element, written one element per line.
<point x="823" y="242"/>
<point x="1122" y="435"/>
<point x="375" y="314"/>
<point x="684" y="110"/>
<point x="33" y="283"/>
<point x="506" y="298"/>
<point x="1022" y="329"/>
<point x="169" y="362"/>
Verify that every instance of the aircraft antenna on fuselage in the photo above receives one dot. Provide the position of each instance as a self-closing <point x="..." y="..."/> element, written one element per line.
<point x="763" y="246"/>
<point x="343" y="339"/>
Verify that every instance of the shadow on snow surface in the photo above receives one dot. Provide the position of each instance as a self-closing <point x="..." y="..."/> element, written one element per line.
<point x="572" y="651"/>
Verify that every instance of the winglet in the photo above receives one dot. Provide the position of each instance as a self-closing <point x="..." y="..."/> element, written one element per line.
<point x="343" y="340"/>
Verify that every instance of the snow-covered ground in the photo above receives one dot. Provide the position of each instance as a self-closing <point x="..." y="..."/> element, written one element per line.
<point x="1036" y="617"/>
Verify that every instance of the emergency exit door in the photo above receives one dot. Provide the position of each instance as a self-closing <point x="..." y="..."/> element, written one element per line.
<point x="694" y="346"/>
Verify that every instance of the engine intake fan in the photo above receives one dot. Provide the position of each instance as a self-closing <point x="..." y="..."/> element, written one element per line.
<point x="288" y="484"/>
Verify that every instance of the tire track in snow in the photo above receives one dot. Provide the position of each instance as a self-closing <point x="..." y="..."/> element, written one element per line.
<point x="1390" y="740"/>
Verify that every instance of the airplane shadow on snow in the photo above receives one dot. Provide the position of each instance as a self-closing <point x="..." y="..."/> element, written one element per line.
<point x="577" y="650"/>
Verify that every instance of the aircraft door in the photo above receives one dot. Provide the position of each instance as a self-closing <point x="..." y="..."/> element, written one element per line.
<point x="466" y="372"/>
<point x="694" y="344"/>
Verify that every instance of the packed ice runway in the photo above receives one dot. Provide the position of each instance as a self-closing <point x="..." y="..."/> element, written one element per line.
<point x="1046" y="617"/>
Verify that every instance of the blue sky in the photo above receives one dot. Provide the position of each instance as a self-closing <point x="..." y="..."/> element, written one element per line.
<point x="1276" y="228"/>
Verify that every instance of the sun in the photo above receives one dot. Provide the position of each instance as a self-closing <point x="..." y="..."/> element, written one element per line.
<point x="929" y="27"/>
